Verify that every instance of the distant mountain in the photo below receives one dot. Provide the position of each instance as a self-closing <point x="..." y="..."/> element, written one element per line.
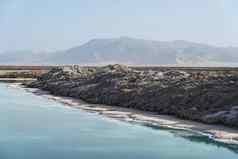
<point x="138" y="52"/>
<point x="121" y="50"/>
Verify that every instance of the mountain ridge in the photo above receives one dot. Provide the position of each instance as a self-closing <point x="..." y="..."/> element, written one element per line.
<point x="133" y="51"/>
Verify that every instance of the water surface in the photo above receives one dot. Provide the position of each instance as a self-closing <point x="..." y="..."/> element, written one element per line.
<point x="33" y="127"/>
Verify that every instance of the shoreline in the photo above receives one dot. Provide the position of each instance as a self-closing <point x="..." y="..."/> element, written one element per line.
<point x="15" y="80"/>
<point x="215" y="132"/>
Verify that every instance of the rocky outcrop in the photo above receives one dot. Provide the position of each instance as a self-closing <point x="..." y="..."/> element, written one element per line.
<point x="209" y="97"/>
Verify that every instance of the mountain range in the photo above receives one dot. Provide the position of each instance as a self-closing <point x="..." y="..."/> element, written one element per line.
<point x="131" y="51"/>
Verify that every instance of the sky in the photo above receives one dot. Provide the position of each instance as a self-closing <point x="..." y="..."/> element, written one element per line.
<point x="50" y="25"/>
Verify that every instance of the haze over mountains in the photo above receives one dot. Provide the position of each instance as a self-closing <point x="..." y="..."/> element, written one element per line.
<point x="131" y="51"/>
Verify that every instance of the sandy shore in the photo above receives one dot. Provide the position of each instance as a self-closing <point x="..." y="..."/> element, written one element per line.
<point x="216" y="132"/>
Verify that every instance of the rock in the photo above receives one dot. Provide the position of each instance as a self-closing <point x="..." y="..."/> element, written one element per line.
<point x="204" y="96"/>
<point x="235" y="108"/>
<point x="225" y="117"/>
<point x="215" y="117"/>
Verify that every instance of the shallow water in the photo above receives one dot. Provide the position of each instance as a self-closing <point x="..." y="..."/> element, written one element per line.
<point x="33" y="127"/>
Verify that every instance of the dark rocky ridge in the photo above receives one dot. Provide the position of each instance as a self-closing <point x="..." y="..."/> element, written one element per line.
<point x="206" y="96"/>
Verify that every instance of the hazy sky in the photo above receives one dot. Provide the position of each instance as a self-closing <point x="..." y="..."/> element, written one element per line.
<point x="60" y="24"/>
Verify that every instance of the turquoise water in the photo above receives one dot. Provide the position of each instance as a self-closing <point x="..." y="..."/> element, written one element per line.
<point x="33" y="127"/>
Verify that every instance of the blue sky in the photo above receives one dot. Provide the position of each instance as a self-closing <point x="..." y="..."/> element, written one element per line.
<point x="61" y="24"/>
